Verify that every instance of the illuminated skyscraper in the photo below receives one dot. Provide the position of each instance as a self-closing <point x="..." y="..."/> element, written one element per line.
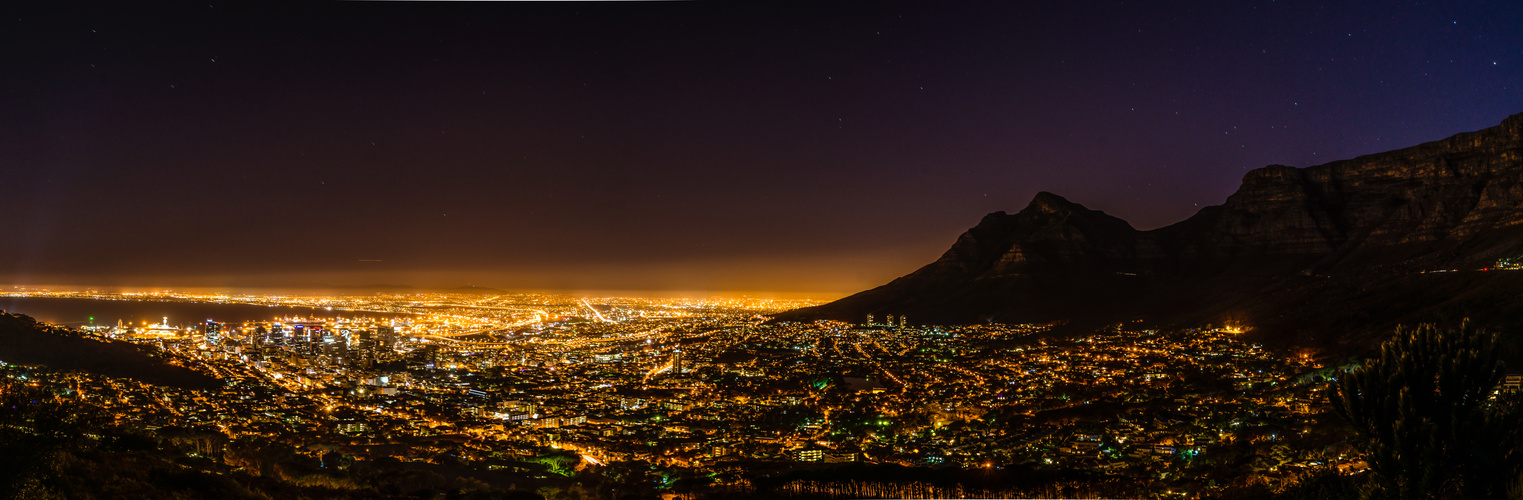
<point x="212" y="332"/>
<point x="386" y="338"/>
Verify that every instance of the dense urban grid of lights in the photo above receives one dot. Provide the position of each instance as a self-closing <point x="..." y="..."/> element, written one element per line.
<point x="699" y="384"/>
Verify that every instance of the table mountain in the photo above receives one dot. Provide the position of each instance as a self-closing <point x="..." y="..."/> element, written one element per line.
<point x="1328" y="253"/>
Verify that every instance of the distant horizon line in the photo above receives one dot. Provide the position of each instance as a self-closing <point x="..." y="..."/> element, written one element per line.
<point x="7" y="288"/>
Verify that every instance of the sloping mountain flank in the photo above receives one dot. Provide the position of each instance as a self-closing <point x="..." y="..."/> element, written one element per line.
<point x="1327" y="254"/>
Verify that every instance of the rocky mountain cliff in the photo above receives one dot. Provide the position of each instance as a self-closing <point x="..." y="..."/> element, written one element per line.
<point x="1326" y="253"/>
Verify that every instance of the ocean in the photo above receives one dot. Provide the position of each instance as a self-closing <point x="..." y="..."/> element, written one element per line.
<point x="82" y="312"/>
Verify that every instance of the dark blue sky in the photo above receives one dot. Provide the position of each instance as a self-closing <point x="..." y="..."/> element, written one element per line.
<point x="679" y="145"/>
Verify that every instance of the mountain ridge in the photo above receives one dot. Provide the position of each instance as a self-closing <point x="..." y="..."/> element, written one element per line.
<point x="1288" y="235"/>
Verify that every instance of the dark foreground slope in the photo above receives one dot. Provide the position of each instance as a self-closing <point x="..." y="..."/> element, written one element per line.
<point x="23" y="341"/>
<point x="1324" y="255"/>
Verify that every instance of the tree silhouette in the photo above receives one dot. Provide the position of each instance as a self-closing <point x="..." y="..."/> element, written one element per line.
<point x="1425" y="421"/>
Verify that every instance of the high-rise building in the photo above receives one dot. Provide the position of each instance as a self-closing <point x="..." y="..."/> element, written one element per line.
<point x="276" y="335"/>
<point x="335" y="351"/>
<point x="386" y="337"/>
<point x="212" y="332"/>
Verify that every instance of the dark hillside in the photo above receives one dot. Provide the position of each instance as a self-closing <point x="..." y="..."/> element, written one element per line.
<point x="24" y="341"/>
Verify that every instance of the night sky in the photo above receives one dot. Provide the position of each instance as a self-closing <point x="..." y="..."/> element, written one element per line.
<point x="696" y="145"/>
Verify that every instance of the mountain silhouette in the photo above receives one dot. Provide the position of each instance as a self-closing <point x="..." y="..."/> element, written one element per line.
<point x="1328" y="255"/>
